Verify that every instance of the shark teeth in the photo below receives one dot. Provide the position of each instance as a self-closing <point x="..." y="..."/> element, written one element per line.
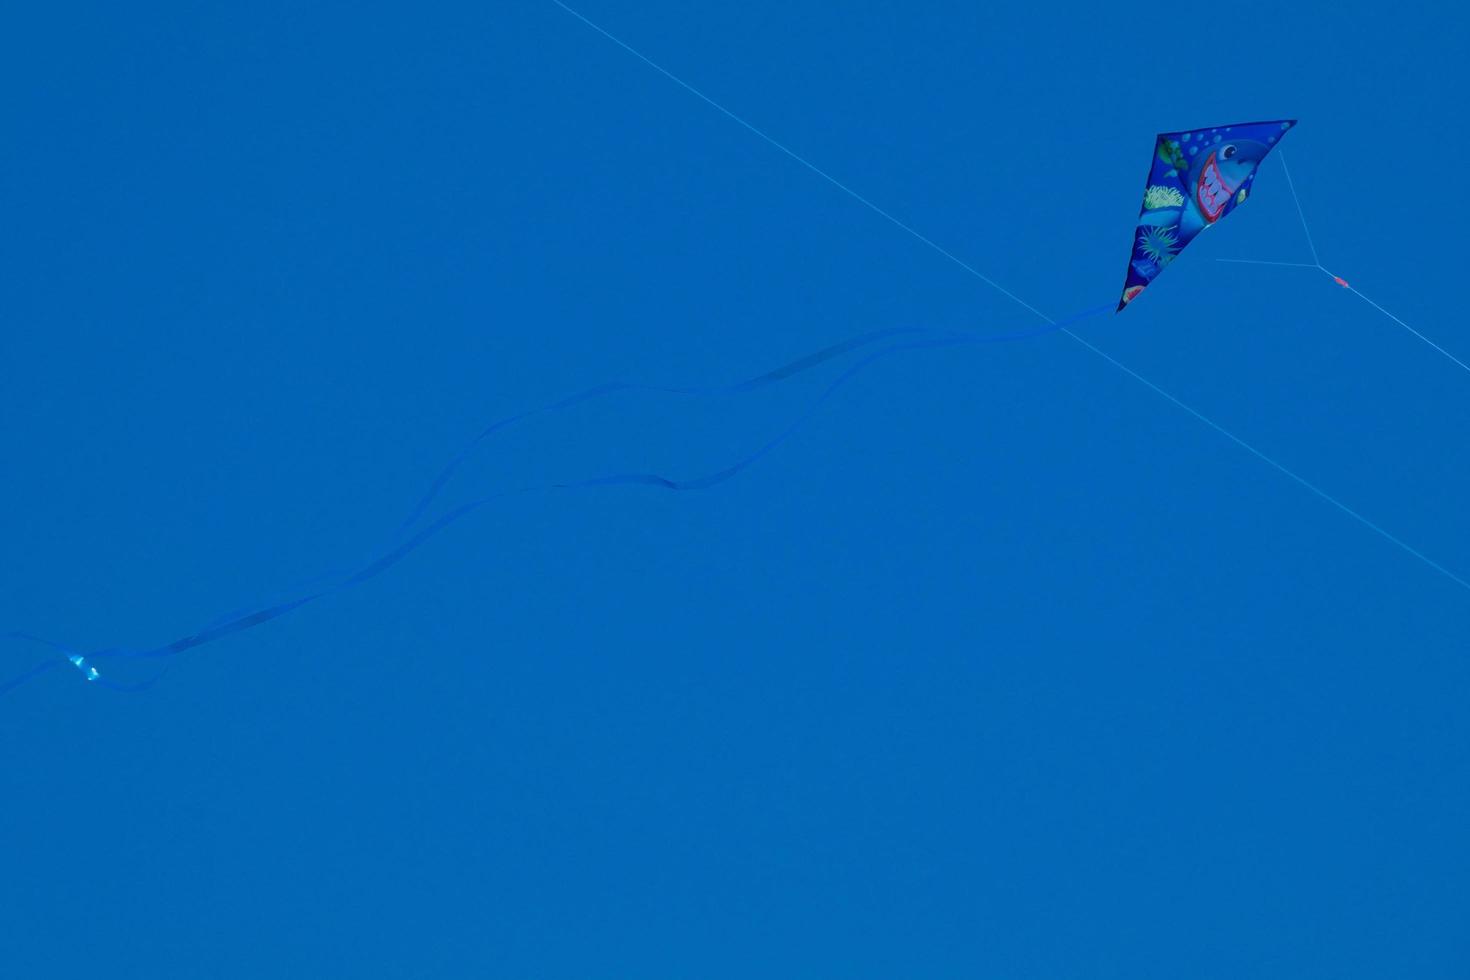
<point x="1211" y="190"/>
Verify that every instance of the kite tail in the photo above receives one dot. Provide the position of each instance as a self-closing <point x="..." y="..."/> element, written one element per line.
<point x="249" y="619"/>
<point x="809" y="361"/>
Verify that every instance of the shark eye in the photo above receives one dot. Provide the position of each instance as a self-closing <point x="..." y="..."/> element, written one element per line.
<point x="1228" y="152"/>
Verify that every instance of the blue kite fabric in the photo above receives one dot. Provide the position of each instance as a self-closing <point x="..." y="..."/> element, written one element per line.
<point x="1196" y="178"/>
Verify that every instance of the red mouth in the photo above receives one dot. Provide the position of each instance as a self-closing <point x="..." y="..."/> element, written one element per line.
<point x="1211" y="190"/>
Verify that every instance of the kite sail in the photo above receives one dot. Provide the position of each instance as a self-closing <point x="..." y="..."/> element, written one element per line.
<point x="1194" y="180"/>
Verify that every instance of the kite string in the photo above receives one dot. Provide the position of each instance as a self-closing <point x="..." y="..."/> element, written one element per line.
<point x="1356" y="292"/>
<point x="800" y="159"/>
<point x="1293" y="265"/>
<point x="1317" y="264"/>
<point x="1300" y="213"/>
<point x="1283" y="470"/>
<point x="1006" y="292"/>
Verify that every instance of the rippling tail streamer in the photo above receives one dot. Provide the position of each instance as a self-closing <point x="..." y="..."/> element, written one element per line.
<point x="415" y="530"/>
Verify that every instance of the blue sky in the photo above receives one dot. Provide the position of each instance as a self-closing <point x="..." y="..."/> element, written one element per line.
<point x="1003" y="666"/>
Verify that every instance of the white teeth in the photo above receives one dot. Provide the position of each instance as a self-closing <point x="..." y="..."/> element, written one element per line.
<point x="1212" y="190"/>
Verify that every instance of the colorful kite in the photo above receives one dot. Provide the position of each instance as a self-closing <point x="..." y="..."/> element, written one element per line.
<point x="1195" y="179"/>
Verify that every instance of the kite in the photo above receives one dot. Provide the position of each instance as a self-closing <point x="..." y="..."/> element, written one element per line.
<point x="1195" y="179"/>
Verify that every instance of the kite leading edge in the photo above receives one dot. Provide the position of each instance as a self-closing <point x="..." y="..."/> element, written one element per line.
<point x="1194" y="180"/>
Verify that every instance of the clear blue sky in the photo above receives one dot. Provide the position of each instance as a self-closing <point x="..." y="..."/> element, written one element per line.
<point x="1004" y="666"/>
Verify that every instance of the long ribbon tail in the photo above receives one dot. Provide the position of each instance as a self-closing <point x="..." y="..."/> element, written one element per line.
<point x="404" y="549"/>
<point x="392" y="556"/>
<point x="245" y="617"/>
<point x="804" y="363"/>
<point x="217" y="632"/>
<point x="45" y="667"/>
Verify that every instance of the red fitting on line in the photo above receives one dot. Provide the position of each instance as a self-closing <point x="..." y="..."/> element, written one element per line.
<point x="1341" y="282"/>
